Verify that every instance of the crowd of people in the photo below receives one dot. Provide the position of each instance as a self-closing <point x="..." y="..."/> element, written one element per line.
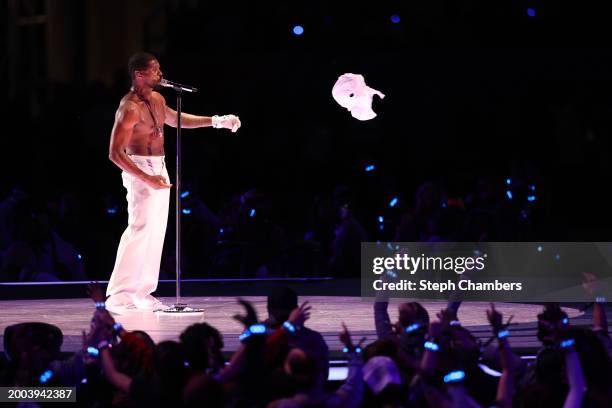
<point x="418" y="361"/>
<point x="44" y="239"/>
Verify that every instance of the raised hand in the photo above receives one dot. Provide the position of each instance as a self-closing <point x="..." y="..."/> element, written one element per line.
<point x="590" y="283"/>
<point x="300" y="314"/>
<point x="446" y="316"/>
<point x="345" y="338"/>
<point x="407" y="314"/>
<point x="250" y="317"/>
<point x="495" y="318"/>
<point x="95" y="292"/>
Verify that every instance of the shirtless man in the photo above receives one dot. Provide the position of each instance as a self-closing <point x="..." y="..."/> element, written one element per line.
<point x="137" y="148"/>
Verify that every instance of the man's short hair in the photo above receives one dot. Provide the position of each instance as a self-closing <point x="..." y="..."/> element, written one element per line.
<point x="139" y="62"/>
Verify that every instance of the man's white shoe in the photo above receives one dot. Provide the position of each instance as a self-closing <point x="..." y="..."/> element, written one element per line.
<point x="120" y="309"/>
<point x="150" y="303"/>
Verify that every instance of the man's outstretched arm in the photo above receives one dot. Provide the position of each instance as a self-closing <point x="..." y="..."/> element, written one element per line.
<point x="189" y="121"/>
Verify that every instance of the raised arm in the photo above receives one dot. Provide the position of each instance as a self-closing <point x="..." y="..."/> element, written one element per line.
<point x="125" y="119"/>
<point x="505" y="387"/>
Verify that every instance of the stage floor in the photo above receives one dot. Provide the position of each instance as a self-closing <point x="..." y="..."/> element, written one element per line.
<point x="328" y="312"/>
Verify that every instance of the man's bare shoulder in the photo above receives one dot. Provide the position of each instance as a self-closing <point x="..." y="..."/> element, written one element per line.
<point x="159" y="97"/>
<point x="128" y="105"/>
<point x="128" y="110"/>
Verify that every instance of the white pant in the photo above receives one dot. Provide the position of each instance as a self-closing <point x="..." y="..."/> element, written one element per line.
<point x="136" y="269"/>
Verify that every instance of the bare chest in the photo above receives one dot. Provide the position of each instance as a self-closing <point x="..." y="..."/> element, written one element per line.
<point x="151" y="121"/>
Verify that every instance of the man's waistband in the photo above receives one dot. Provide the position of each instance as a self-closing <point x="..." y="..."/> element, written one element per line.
<point x="154" y="159"/>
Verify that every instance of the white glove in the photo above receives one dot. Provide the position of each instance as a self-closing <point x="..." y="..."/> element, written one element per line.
<point x="226" y="122"/>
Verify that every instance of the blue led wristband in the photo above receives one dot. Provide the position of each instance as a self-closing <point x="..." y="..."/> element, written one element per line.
<point x="254" y="329"/>
<point x="454" y="376"/>
<point x="412" y="328"/>
<point x="289" y="326"/>
<point x="503" y="334"/>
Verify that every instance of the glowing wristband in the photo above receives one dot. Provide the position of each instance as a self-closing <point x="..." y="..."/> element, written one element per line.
<point x="566" y="343"/>
<point x="289" y="326"/>
<point x="244" y="335"/>
<point x="412" y="328"/>
<point x="117" y="327"/>
<point x="503" y="334"/>
<point x="46" y="376"/>
<point x="600" y="299"/>
<point x="100" y="305"/>
<point x="565" y="320"/>
<point x="455" y="323"/>
<point x="257" y="328"/>
<point x="430" y="345"/>
<point x="92" y="351"/>
<point x="254" y="329"/>
<point x="356" y="350"/>
<point x="454" y="376"/>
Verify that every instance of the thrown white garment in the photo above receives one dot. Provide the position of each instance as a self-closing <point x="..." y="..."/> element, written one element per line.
<point x="352" y="93"/>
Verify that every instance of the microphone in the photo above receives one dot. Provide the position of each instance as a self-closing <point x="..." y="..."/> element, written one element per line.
<point x="176" y="86"/>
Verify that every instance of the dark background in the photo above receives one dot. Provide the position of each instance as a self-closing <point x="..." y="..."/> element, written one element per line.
<point x="476" y="92"/>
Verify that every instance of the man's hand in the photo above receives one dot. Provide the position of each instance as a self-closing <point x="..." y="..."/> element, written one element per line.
<point x="495" y="319"/>
<point x="590" y="284"/>
<point x="345" y="338"/>
<point x="446" y="316"/>
<point x="95" y="292"/>
<point x="299" y="315"/>
<point x="231" y="122"/>
<point x="156" y="182"/>
<point x="250" y="317"/>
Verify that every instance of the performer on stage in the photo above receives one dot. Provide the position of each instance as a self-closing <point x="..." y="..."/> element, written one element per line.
<point x="137" y="148"/>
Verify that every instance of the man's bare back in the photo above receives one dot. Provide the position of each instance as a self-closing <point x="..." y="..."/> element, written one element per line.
<point x="147" y="137"/>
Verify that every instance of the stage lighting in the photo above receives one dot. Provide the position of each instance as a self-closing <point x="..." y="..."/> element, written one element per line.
<point x="381" y="219"/>
<point x="298" y="30"/>
<point x="79" y="256"/>
<point x="395" y="19"/>
<point x="508" y="181"/>
<point x="540" y="248"/>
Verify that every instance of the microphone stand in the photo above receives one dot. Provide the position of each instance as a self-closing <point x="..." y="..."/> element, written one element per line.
<point x="178" y="306"/>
